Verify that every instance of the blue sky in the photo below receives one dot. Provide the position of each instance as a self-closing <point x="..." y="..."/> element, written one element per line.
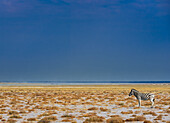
<point x="84" y="40"/>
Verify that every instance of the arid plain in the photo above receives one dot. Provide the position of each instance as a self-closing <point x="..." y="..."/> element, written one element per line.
<point x="83" y="104"/>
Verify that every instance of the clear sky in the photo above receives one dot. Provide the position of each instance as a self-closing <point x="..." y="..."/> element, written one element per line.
<point x="84" y="40"/>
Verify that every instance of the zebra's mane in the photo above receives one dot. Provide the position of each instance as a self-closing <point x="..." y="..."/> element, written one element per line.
<point x="134" y="90"/>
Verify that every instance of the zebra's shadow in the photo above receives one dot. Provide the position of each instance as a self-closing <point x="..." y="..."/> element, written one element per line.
<point x="142" y="107"/>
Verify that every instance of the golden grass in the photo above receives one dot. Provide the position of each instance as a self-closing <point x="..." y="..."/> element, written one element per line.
<point x="17" y="102"/>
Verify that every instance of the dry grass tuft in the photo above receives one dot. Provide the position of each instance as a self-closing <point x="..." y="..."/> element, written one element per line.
<point x="12" y="112"/>
<point x="150" y="113"/>
<point x="68" y="116"/>
<point x="137" y="118"/>
<point x="89" y="114"/>
<point x="167" y="111"/>
<point x="43" y="121"/>
<point x="147" y="121"/>
<point x="15" y="116"/>
<point x="128" y="112"/>
<point x="158" y="117"/>
<point x="3" y="112"/>
<point x="3" y="120"/>
<point x="93" y="108"/>
<point x="115" y="116"/>
<point x="140" y="118"/>
<point x="130" y="119"/>
<point x="94" y="119"/>
<point x="115" y="120"/>
<point x="103" y="109"/>
<point x="137" y="112"/>
<point x="67" y="120"/>
<point x="48" y="119"/>
<point x="134" y="115"/>
<point x="31" y="119"/>
<point x="11" y="121"/>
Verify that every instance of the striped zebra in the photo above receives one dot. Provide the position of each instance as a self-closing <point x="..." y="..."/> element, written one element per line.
<point x="142" y="96"/>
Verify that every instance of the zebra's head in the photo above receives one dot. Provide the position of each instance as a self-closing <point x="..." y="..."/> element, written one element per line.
<point x="132" y="92"/>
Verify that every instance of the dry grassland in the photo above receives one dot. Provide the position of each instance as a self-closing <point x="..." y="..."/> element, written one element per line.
<point x="82" y="104"/>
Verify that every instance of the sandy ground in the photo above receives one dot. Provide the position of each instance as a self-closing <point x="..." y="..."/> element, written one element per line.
<point x="78" y="104"/>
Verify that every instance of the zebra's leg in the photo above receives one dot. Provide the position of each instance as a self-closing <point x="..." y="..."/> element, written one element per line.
<point x="152" y="100"/>
<point x="139" y="101"/>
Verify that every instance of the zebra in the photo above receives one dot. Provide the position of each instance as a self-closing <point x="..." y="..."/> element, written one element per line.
<point x="142" y="96"/>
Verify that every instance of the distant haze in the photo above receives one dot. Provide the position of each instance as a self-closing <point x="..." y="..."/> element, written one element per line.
<point x="84" y="40"/>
